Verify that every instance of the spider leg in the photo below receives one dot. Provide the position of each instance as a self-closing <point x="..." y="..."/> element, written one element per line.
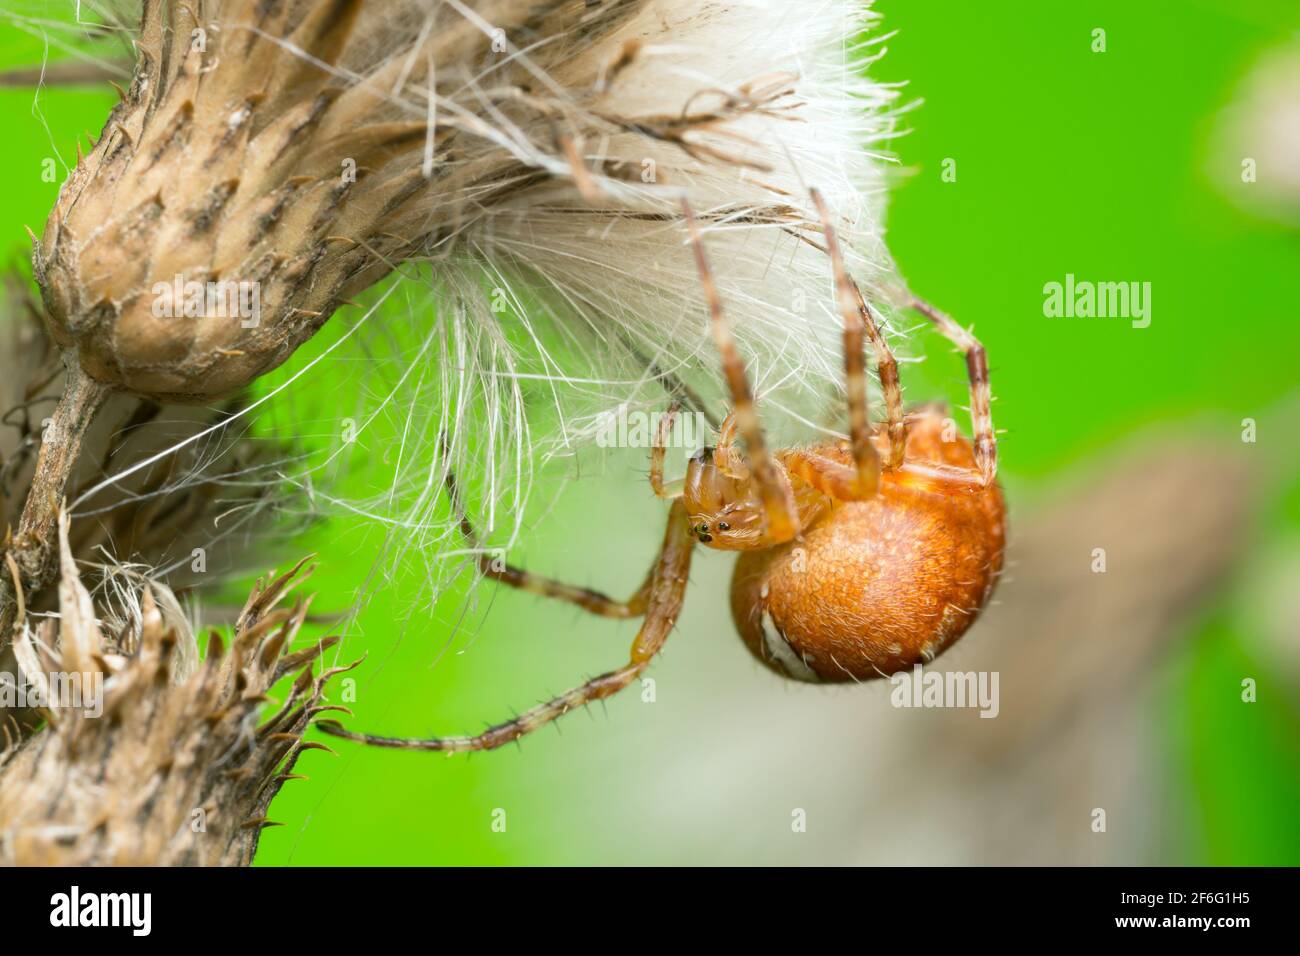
<point x="668" y="588"/>
<point x="830" y="477"/>
<point x="887" y="367"/>
<point x="773" y="486"/>
<point x="977" y="370"/>
<point x="865" y="458"/>
<point x="585" y="598"/>
<point x="657" y="453"/>
<point x="725" y="456"/>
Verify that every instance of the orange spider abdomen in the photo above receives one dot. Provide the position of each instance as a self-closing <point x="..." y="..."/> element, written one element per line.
<point x="876" y="586"/>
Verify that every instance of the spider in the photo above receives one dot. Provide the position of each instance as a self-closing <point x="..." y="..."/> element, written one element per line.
<point x="858" y="558"/>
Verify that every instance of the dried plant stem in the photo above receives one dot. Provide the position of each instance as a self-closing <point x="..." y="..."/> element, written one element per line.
<point x="32" y="548"/>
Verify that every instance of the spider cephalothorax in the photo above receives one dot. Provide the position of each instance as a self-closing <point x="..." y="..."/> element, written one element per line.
<point x="725" y="509"/>
<point x="859" y="557"/>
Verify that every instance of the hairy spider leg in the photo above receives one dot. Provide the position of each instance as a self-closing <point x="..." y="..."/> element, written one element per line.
<point x="667" y="591"/>
<point x="865" y="459"/>
<point x="728" y="460"/>
<point x="657" y="456"/>
<point x="825" y="474"/>
<point x="977" y="370"/>
<point x="493" y="568"/>
<point x="773" y="485"/>
<point x="890" y="385"/>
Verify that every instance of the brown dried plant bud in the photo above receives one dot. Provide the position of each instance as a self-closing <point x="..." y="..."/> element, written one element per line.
<point x="236" y="196"/>
<point x="146" y="761"/>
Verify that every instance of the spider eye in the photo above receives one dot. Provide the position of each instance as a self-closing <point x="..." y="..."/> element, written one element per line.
<point x="723" y="526"/>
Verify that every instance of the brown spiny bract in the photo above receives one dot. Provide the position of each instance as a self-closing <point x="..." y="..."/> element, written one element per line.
<point x="163" y="767"/>
<point x="886" y="583"/>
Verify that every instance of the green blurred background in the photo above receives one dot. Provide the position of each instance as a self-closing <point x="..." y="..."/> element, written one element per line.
<point x="1111" y="166"/>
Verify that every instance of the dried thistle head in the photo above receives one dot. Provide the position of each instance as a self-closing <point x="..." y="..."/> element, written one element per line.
<point x="147" y="760"/>
<point x="295" y="152"/>
<point x="222" y="164"/>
